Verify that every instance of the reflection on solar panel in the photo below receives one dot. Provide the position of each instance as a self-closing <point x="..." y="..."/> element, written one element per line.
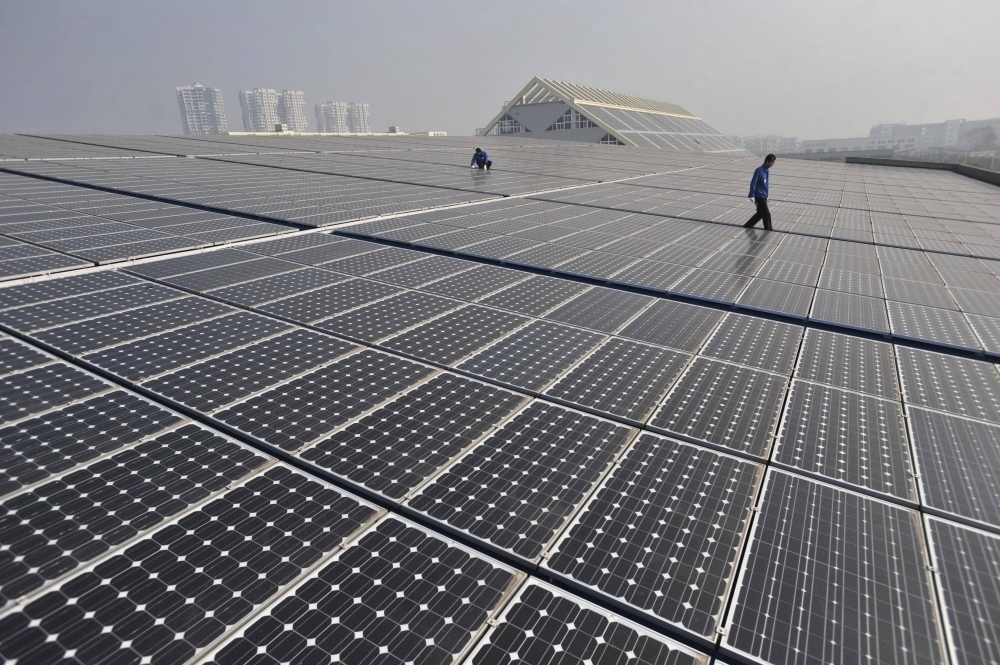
<point x="823" y="578"/>
<point x="493" y="396"/>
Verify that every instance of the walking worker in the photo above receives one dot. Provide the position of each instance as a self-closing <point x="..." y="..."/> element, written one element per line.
<point x="481" y="159"/>
<point x="758" y="192"/>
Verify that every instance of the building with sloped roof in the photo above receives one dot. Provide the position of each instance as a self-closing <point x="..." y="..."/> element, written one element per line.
<point x="550" y="109"/>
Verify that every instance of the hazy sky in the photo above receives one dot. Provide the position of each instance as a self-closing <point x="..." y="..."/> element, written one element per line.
<point x="809" y="68"/>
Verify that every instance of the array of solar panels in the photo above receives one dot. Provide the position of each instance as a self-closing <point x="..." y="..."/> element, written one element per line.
<point x="732" y="483"/>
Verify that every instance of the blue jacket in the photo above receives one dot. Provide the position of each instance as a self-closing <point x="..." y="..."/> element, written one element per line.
<point x="758" y="185"/>
<point x="479" y="159"/>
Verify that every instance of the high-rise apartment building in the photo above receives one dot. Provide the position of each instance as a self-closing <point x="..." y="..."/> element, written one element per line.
<point x="358" y="120"/>
<point x="260" y="109"/>
<point x="332" y="117"/>
<point x="292" y="110"/>
<point x="201" y="109"/>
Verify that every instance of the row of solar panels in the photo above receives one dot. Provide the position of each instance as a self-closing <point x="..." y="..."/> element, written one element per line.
<point x="529" y="486"/>
<point x="175" y="537"/>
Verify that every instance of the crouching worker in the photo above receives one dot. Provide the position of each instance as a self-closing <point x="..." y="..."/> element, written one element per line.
<point x="481" y="160"/>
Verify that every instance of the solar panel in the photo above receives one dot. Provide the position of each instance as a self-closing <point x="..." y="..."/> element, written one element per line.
<point x="849" y="310"/>
<point x="329" y="300"/>
<point x="15" y="356"/>
<point x="853" y="363"/>
<point x="547" y="255"/>
<point x="118" y="328"/>
<point x="673" y="324"/>
<point x="720" y="287"/>
<point x="393" y="450"/>
<point x="170" y="595"/>
<point x="42" y="388"/>
<point x="364" y="264"/>
<point x="848" y="438"/>
<point x="79" y="516"/>
<point x="36" y="448"/>
<point x="534" y="356"/>
<point x="385" y="318"/>
<point x="777" y="298"/>
<point x="958" y="460"/>
<point x="543" y="624"/>
<point x="946" y="327"/>
<point x="823" y="580"/>
<point x="651" y="275"/>
<point x="725" y="405"/>
<point x="36" y="292"/>
<point x="621" y="378"/>
<point x="294" y="414"/>
<point x="755" y="342"/>
<point x="258" y="292"/>
<point x="476" y="283"/>
<point x="947" y="383"/>
<point x="399" y="594"/>
<point x="968" y="566"/>
<point x="292" y="243"/>
<point x="195" y="262"/>
<point x="231" y="274"/>
<point x="456" y="335"/>
<point x="535" y="296"/>
<point x="327" y="252"/>
<point x="60" y="312"/>
<point x="421" y="272"/>
<point x="601" y="265"/>
<point x="154" y="355"/>
<point x="517" y="489"/>
<point x="663" y="533"/>
<point x="601" y="309"/>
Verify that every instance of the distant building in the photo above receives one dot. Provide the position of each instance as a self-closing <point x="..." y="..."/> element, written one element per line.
<point x="763" y="145"/>
<point x="395" y="129"/>
<point x="358" y="120"/>
<point x="953" y="135"/>
<point x="292" y="110"/>
<point x="201" y="110"/>
<point x="332" y="117"/>
<point x="260" y="109"/>
<point x="549" y="109"/>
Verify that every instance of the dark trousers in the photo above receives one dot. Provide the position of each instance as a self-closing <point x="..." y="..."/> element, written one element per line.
<point x="487" y="165"/>
<point x="762" y="213"/>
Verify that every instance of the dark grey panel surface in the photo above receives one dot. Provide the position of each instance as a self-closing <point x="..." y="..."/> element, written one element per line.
<point x="777" y="297"/>
<point x="664" y="532"/>
<point x="534" y="356"/>
<point x="931" y="324"/>
<point x="15" y="356"/>
<point x="215" y="278"/>
<point x="329" y="300"/>
<point x="454" y="336"/>
<point x="947" y="383"/>
<point x="959" y="464"/>
<point x="825" y="577"/>
<point x="849" y="362"/>
<point x="185" y="264"/>
<point x="855" y="439"/>
<point x="850" y="310"/>
<point x="534" y="296"/>
<point x="968" y="565"/>
<point x="60" y="312"/>
<point x="278" y="286"/>
<point x="387" y="317"/>
<point x="421" y="272"/>
<point x="673" y="324"/>
<point x="622" y="378"/>
<point x="476" y="283"/>
<point x="755" y="342"/>
<point x="394" y="449"/>
<point x="27" y="294"/>
<point x="45" y="387"/>
<point x="516" y="489"/>
<point x="600" y="309"/>
<point x="724" y="404"/>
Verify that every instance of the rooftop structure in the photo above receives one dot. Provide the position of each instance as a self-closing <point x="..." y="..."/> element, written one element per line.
<point x="201" y="110"/>
<point x="369" y="438"/>
<point x="550" y="109"/>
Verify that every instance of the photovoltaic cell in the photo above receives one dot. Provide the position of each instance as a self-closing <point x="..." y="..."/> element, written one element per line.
<point x="534" y="296"/>
<point x="297" y="413"/>
<point x="545" y="625"/>
<point x="186" y="264"/>
<point x="777" y="297"/>
<point x="847" y="437"/>
<point x="850" y="310"/>
<point x="394" y="449"/>
<point x="968" y="565"/>
<point x="421" y="272"/>
<point x="476" y="283"/>
<point x="214" y="383"/>
<point x="673" y="324"/>
<point x="35" y="292"/>
<point x="37" y="448"/>
<point x="147" y="357"/>
<point x="959" y="464"/>
<point x="56" y="527"/>
<point x="825" y="577"/>
<point x="15" y="356"/>
<point x="755" y="342"/>
<point x="387" y="317"/>
<point x="622" y="378"/>
<point x="399" y="594"/>
<point x="942" y="326"/>
<point x="60" y="312"/>
<point x="848" y="362"/>
<point x="724" y="404"/>
<point x="516" y="490"/>
<point x="172" y="594"/>
<point x="604" y="310"/>
<point x="947" y="383"/>
<point x="534" y="356"/>
<point x="663" y="533"/>
<point x="329" y="300"/>
<point x="277" y="286"/>
<point x="232" y="274"/>
<point x="455" y="335"/>
<point x="49" y="386"/>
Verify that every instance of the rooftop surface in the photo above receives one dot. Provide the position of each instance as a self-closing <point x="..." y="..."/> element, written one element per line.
<point x="345" y="399"/>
